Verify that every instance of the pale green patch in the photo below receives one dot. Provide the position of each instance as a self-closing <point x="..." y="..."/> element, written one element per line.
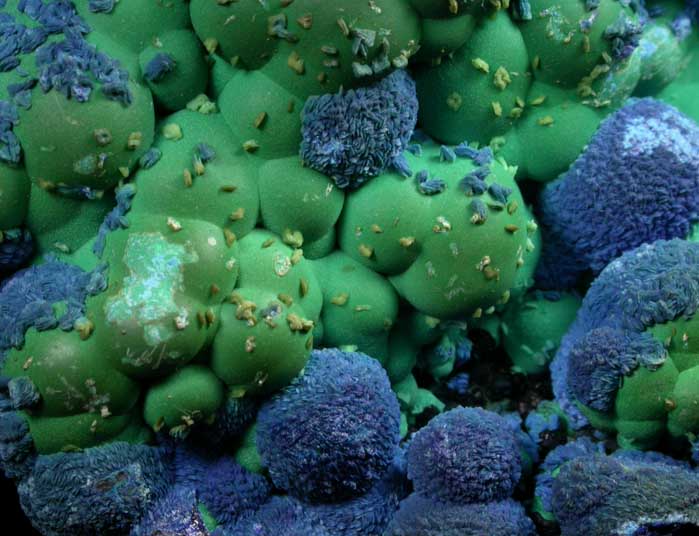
<point x="282" y="264"/>
<point x="148" y="293"/>
<point x="694" y="233"/>
<point x="557" y="27"/>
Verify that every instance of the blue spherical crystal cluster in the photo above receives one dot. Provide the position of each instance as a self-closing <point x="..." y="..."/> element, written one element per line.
<point x="628" y="492"/>
<point x="384" y="268"/>
<point x="333" y="432"/>
<point x="104" y="490"/>
<point x="469" y="472"/>
<point x="612" y="336"/>
<point x="354" y="136"/>
<point x="636" y="182"/>
<point x="464" y="466"/>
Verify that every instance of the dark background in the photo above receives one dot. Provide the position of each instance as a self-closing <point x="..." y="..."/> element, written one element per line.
<point x="14" y="520"/>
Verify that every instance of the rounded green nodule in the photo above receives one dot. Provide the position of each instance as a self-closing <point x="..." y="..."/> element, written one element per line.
<point x="62" y="224"/>
<point x="266" y="330"/>
<point x="567" y="39"/>
<point x="449" y="253"/>
<point x="550" y="135"/>
<point x="70" y="375"/>
<point x="14" y="196"/>
<point x="532" y="329"/>
<point x="359" y="306"/>
<point x="99" y="144"/>
<point x="298" y="198"/>
<point x="191" y="394"/>
<point x="188" y="76"/>
<point x="653" y="404"/>
<point x="260" y="358"/>
<point x="247" y="454"/>
<point x="65" y="434"/>
<point x="470" y="96"/>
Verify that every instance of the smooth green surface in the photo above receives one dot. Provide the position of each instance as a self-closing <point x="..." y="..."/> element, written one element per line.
<point x="654" y="404"/>
<point x="532" y="329"/>
<point x="266" y="333"/>
<point x="444" y="35"/>
<point x="14" y="196"/>
<point x="359" y="306"/>
<point x="189" y="395"/>
<point x="70" y="375"/>
<point x="556" y="37"/>
<point x="249" y="94"/>
<point x="297" y="198"/>
<point x="189" y="77"/>
<point x="247" y="454"/>
<point x="545" y="150"/>
<point x="162" y="189"/>
<point x="438" y="273"/>
<point x="456" y="98"/>
<point x="60" y="223"/>
<point x="60" y="135"/>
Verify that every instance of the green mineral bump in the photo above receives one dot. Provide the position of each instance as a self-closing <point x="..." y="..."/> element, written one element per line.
<point x="266" y="332"/>
<point x="453" y="244"/>
<point x="185" y="397"/>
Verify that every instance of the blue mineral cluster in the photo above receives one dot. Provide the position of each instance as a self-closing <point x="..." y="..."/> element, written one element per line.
<point x="651" y="285"/>
<point x="384" y="268"/>
<point x="355" y="135"/>
<point x="294" y="428"/>
<point x="628" y="492"/>
<point x="464" y="466"/>
<point x="637" y="182"/>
